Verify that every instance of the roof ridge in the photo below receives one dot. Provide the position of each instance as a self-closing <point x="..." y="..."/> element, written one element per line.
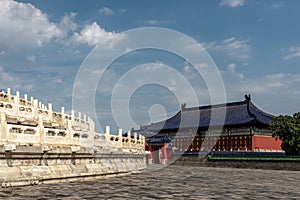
<point x="230" y="104"/>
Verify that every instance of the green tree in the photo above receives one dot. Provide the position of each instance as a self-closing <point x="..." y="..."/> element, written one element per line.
<point x="287" y="128"/>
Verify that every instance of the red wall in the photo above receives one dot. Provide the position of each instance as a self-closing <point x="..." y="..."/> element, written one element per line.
<point x="265" y="142"/>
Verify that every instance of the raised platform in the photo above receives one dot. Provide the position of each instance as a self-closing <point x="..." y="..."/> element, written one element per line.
<point x="34" y="166"/>
<point x="272" y="163"/>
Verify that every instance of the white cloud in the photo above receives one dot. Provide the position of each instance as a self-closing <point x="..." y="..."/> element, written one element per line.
<point x="122" y="10"/>
<point x="5" y="76"/>
<point x="232" y="70"/>
<point x="294" y="52"/>
<point x="67" y="23"/>
<point x="154" y="66"/>
<point x="31" y="58"/>
<point x="277" y="93"/>
<point x="279" y="83"/>
<point x="23" y="25"/>
<point x="151" y="22"/>
<point x="106" y="11"/>
<point x="2" y="53"/>
<point x="277" y="5"/>
<point x="201" y="66"/>
<point x="57" y="81"/>
<point x="232" y="3"/>
<point x="231" y="67"/>
<point x="235" y="48"/>
<point x="95" y="35"/>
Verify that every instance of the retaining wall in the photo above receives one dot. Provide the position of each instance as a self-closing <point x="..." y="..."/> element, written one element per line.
<point x="31" y="165"/>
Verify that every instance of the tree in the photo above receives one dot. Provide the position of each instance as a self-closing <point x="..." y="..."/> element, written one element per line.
<point x="287" y="128"/>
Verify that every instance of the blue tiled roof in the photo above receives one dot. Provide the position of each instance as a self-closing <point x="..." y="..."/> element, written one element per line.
<point x="235" y="113"/>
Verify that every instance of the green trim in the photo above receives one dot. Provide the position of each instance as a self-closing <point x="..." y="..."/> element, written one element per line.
<point x="253" y="158"/>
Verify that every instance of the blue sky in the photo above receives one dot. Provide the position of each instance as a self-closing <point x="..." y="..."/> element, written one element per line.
<point x="254" y="44"/>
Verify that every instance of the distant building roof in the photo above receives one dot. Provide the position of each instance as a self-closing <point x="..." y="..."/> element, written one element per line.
<point x="159" y="139"/>
<point x="237" y="113"/>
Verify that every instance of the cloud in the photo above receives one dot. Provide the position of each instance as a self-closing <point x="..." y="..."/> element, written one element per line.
<point x="2" y="53"/>
<point x="277" y="5"/>
<point x="31" y="58"/>
<point x="235" y="48"/>
<point x="279" y="83"/>
<point x="232" y="3"/>
<point x="151" y="22"/>
<point x="5" y="76"/>
<point x="23" y="25"/>
<point x="94" y="35"/>
<point x="232" y="69"/>
<point x="294" y="52"/>
<point x="106" y="11"/>
<point x="67" y="23"/>
<point x="277" y="93"/>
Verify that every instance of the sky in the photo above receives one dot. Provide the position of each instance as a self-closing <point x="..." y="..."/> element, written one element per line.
<point x="254" y="44"/>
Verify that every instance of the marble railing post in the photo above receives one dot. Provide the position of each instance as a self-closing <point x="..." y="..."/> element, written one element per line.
<point x="107" y="134"/>
<point x="72" y="116"/>
<point x="62" y="112"/>
<point x="140" y="142"/>
<point x="135" y="138"/>
<point x="91" y="132"/>
<point x="70" y="131"/>
<point x="41" y="131"/>
<point x="25" y="98"/>
<point x="9" y="94"/>
<point x="35" y="108"/>
<point x="17" y="101"/>
<point x="50" y="111"/>
<point x="79" y="117"/>
<point x="120" y="137"/>
<point x="3" y="136"/>
<point x="129" y="138"/>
